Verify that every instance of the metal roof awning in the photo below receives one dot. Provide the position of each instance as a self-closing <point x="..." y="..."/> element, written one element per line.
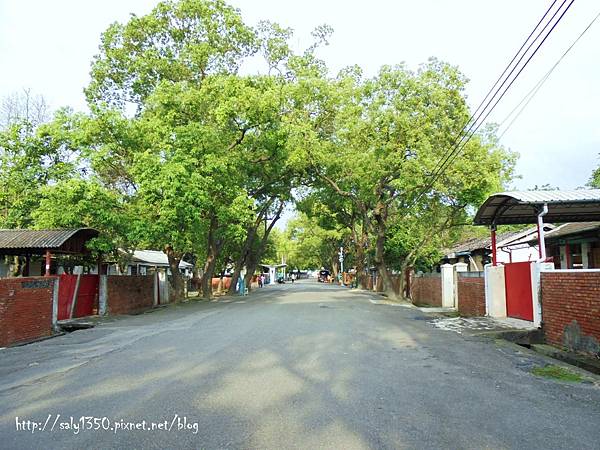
<point x="522" y="207"/>
<point x="37" y="242"/>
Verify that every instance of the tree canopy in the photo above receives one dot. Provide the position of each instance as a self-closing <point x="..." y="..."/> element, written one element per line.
<point x="184" y="152"/>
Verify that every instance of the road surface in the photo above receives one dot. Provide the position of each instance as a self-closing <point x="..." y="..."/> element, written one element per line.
<point x="301" y="365"/>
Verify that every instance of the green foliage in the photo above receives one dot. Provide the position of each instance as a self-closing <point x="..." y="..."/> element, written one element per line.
<point x="210" y="156"/>
<point x="306" y="245"/>
<point x="89" y="205"/>
<point x="29" y="160"/>
<point x="181" y="41"/>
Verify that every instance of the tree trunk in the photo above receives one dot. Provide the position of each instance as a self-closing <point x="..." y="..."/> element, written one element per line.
<point x="360" y="244"/>
<point x="239" y="263"/>
<point x="177" y="281"/>
<point x="211" y="259"/>
<point x="386" y="279"/>
<point x="253" y="258"/>
<point x="334" y="266"/>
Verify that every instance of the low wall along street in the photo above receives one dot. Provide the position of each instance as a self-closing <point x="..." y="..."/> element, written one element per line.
<point x="471" y="295"/>
<point x="26" y="309"/>
<point x="571" y="309"/>
<point x="426" y="290"/>
<point x="129" y="294"/>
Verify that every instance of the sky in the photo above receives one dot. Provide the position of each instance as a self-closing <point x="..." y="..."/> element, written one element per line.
<point x="47" y="47"/>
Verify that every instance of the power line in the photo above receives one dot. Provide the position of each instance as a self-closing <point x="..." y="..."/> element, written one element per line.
<point x="460" y="135"/>
<point x="475" y="126"/>
<point x="542" y="80"/>
<point x="457" y="152"/>
<point x="480" y="119"/>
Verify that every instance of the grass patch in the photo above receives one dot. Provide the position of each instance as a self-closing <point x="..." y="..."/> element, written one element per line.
<point x="557" y="373"/>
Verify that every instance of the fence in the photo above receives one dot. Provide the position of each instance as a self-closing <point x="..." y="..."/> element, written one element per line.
<point x="470" y="290"/>
<point x="129" y="294"/>
<point x="571" y="309"/>
<point x="27" y="308"/>
<point x="426" y="289"/>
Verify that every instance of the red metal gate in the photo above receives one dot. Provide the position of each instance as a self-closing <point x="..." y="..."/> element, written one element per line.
<point x="519" y="299"/>
<point x="86" y="303"/>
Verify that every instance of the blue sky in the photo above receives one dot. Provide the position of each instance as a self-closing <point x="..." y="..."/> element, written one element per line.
<point x="47" y="46"/>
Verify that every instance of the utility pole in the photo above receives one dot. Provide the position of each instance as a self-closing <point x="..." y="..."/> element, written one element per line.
<point x="341" y="256"/>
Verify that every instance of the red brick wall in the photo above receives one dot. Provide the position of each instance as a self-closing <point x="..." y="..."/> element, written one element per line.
<point x="426" y="291"/>
<point x="569" y="296"/>
<point x="129" y="294"/>
<point x="471" y="296"/>
<point x="25" y="309"/>
<point x="226" y="283"/>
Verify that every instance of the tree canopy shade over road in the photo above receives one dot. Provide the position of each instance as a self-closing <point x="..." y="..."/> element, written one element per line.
<point x="184" y="153"/>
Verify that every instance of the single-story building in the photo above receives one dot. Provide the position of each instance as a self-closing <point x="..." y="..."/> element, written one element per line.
<point x="574" y="245"/>
<point x="513" y="246"/>
<point x="43" y="252"/>
<point x="146" y="262"/>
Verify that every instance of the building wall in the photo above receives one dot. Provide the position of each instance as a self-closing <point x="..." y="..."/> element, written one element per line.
<point x="471" y="296"/>
<point x="25" y="309"/>
<point x="571" y="309"/>
<point x="426" y="290"/>
<point x="129" y="294"/>
<point x="519" y="255"/>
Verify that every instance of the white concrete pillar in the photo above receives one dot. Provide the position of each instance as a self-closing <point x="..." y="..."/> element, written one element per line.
<point x="55" y="304"/>
<point x="102" y="294"/>
<point x="447" y="285"/>
<point x="155" y="289"/>
<point x="495" y="291"/>
<point x="461" y="267"/>
<point x="536" y="289"/>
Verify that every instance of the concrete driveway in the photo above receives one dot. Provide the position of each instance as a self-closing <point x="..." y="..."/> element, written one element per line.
<point x="301" y="365"/>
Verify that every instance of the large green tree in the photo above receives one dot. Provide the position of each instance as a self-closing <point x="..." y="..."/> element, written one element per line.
<point x="388" y="134"/>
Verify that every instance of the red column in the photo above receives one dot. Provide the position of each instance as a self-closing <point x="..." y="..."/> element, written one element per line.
<point x="48" y="256"/>
<point x="494" y="250"/>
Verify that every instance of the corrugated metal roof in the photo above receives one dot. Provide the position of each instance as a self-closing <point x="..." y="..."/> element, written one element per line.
<point x="522" y="207"/>
<point x="572" y="229"/>
<point x="503" y="239"/>
<point x="37" y="239"/>
<point x="582" y="195"/>
<point x="156" y="257"/>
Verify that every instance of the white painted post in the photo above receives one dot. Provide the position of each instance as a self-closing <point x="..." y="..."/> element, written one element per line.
<point x="536" y="289"/>
<point x="102" y="294"/>
<point x="495" y="291"/>
<point x="55" y="304"/>
<point x="447" y="285"/>
<point x="155" y="291"/>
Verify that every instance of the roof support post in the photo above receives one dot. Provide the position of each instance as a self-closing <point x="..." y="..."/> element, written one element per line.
<point x="540" y="229"/>
<point x="26" y="270"/>
<point x="494" y="249"/>
<point x="48" y="259"/>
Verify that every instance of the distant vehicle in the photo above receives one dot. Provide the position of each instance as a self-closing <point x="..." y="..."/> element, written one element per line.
<point x="323" y="276"/>
<point x="280" y="280"/>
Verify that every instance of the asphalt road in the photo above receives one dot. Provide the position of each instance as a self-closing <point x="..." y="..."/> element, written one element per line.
<point x="294" y="366"/>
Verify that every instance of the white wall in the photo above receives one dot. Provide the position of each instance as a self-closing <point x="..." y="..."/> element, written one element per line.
<point x="519" y="255"/>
